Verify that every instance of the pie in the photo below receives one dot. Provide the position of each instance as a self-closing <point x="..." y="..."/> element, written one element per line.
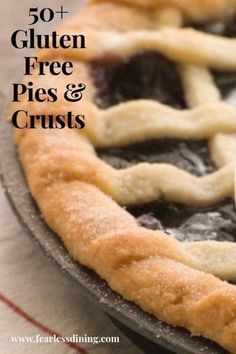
<point x="144" y="194"/>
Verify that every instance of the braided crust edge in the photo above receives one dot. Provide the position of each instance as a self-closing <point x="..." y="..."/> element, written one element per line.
<point x="149" y="268"/>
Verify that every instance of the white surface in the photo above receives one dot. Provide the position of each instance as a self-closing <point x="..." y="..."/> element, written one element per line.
<point x="33" y="283"/>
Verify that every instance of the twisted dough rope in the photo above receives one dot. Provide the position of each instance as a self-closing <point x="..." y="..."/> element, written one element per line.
<point x="141" y="120"/>
<point x="150" y="268"/>
<point x="143" y="265"/>
<point x="146" y="182"/>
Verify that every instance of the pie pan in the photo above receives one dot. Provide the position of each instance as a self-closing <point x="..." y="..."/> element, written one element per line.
<point x="92" y="286"/>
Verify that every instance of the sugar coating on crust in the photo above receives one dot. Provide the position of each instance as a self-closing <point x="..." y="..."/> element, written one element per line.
<point x="143" y="265"/>
<point x="73" y="188"/>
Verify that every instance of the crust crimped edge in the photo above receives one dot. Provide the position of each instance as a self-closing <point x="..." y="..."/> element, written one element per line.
<point x="150" y="268"/>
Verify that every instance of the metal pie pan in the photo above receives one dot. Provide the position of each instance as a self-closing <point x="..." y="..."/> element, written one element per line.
<point x="93" y="287"/>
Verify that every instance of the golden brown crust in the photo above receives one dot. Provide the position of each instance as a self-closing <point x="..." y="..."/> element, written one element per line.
<point x="70" y="184"/>
<point x="195" y="10"/>
<point x="144" y="265"/>
<point x="107" y="17"/>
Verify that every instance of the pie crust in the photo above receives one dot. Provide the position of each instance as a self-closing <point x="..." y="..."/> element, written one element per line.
<point x="80" y="196"/>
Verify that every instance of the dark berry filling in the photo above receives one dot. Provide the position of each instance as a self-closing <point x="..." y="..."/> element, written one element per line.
<point x="150" y="75"/>
<point x="192" y="156"/>
<point x="189" y="224"/>
<point x="185" y="223"/>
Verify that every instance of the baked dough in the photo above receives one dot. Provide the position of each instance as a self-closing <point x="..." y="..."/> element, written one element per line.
<point x="79" y="195"/>
<point x="194" y="10"/>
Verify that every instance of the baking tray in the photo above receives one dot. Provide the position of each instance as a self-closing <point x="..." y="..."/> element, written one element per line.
<point x="138" y="324"/>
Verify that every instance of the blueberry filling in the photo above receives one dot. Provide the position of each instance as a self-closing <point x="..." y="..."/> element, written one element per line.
<point x="189" y="224"/>
<point x="148" y="75"/>
<point x="185" y="223"/>
<point x="152" y="76"/>
<point x="191" y="156"/>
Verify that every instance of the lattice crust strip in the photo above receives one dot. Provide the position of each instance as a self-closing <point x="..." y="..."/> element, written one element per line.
<point x="182" y="45"/>
<point x="143" y="119"/>
<point x="72" y="186"/>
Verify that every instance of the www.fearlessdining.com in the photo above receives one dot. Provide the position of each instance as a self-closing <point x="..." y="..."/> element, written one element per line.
<point x="57" y="339"/>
